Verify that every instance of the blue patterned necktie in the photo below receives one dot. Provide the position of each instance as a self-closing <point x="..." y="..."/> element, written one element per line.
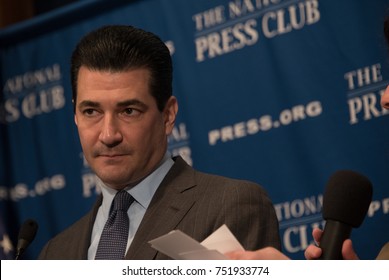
<point x="113" y="240"/>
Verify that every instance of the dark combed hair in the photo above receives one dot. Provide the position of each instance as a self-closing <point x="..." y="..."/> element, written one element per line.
<point x="119" y="48"/>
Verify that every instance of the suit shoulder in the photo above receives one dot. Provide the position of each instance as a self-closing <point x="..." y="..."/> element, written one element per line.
<point x="74" y="229"/>
<point x="184" y="174"/>
<point x="71" y="243"/>
<point x="227" y="183"/>
<point x="72" y="232"/>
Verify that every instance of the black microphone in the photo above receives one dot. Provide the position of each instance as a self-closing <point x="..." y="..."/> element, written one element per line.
<point x="345" y="203"/>
<point x="26" y="236"/>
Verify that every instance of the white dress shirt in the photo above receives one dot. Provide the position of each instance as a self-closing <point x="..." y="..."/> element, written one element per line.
<point x="142" y="193"/>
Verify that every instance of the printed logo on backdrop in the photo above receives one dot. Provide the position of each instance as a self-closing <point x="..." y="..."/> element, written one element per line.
<point x="170" y="45"/>
<point x="88" y="179"/>
<point x="32" y="93"/>
<point x="365" y="87"/>
<point x="179" y="143"/>
<point x="297" y="219"/>
<point x="264" y="123"/>
<point x="241" y="23"/>
<point x="41" y="187"/>
<point x="26" y="96"/>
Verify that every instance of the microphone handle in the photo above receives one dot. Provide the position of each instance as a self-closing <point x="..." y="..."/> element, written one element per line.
<point x="18" y="254"/>
<point x="334" y="234"/>
<point x="21" y="247"/>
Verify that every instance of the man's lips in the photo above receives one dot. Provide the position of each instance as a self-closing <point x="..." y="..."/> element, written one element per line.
<point x="112" y="155"/>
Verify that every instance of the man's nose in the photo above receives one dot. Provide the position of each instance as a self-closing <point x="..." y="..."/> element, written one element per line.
<point x="110" y="134"/>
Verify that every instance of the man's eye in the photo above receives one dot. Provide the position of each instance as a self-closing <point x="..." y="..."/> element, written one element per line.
<point x="131" y="112"/>
<point x="128" y="111"/>
<point x="89" y="111"/>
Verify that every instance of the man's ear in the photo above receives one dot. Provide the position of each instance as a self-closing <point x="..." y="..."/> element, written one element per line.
<point x="170" y="113"/>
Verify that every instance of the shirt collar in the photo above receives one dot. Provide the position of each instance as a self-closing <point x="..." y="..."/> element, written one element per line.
<point x="142" y="192"/>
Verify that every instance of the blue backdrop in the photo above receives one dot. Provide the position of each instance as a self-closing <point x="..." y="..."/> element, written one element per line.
<point x="280" y="92"/>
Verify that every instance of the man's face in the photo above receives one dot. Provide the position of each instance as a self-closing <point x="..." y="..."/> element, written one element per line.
<point x="385" y="99"/>
<point x="122" y="132"/>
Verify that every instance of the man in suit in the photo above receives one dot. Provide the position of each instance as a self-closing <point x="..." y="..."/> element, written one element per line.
<point x="124" y="111"/>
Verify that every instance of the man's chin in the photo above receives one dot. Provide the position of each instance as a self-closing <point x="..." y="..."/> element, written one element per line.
<point x="114" y="184"/>
<point x="114" y="179"/>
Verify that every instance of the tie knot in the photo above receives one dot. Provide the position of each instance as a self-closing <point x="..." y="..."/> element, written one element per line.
<point x="122" y="201"/>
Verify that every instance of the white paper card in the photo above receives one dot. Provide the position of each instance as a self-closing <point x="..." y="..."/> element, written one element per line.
<point x="180" y="246"/>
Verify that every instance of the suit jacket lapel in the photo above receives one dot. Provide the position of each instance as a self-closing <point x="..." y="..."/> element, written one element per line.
<point x="172" y="200"/>
<point x="86" y="232"/>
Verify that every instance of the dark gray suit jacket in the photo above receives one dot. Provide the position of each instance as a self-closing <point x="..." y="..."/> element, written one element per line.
<point x="193" y="202"/>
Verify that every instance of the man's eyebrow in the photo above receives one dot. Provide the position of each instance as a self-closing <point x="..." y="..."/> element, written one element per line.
<point x="125" y="103"/>
<point x="88" y="103"/>
<point x="132" y="102"/>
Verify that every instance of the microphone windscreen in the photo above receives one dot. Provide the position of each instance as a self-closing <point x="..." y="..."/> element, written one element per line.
<point x="28" y="230"/>
<point x="347" y="197"/>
